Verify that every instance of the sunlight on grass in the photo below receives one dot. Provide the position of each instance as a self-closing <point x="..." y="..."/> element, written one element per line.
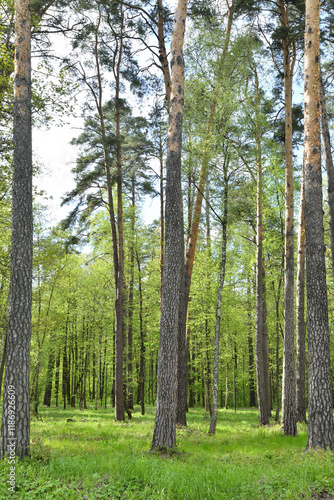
<point x="94" y="457"/>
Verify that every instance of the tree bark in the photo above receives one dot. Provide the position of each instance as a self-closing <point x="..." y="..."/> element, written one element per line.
<point x="288" y="390"/>
<point x="164" y="436"/>
<point x="15" y="428"/>
<point x="320" y="406"/>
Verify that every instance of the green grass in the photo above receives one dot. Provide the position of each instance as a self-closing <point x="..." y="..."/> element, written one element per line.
<point x="97" y="458"/>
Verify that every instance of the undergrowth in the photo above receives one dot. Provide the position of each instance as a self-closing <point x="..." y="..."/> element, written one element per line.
<point x="93" y="457"/>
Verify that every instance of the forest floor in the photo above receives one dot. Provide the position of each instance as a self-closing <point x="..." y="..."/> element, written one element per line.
<point x="92" y="457"/>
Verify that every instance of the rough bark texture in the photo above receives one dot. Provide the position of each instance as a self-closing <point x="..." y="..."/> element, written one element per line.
<point x="164" y="436"/>
<point x="288" y="390"/>
<point x="16" y="401"/>
<point x="329" y="165"/>
<point x="300" y="311"/>
<point x="320" y="409"/>
<point x="214" y="415"/>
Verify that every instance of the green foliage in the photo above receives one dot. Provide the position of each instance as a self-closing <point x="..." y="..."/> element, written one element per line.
<point x="95" y="457"/>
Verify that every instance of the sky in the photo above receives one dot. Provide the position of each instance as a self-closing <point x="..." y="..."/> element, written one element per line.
<point x="56" y="156"/>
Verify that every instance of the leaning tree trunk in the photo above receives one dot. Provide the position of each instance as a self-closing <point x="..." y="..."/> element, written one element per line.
<point x="320" y="406"/>
<point x="192" y="240"/>
<point x="300" y="311"/>
<point x="164" y="436"/>
<point x="288" y="390"/>
<point x="329" y="165"/>
<point x="15" y="429"/>
<point x="214" y="415"/>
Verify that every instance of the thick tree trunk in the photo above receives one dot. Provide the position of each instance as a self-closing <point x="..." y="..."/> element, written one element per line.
<point x="329" y="165"/>
<point x="15" y="428"/>
<point x="164" y="436"/>
<point x="320" y="405"/>
<point x="288" y="390"/>
<point x="300" y="311"/>
<point x="3" y="359"/>
<point x="214" y="416"/>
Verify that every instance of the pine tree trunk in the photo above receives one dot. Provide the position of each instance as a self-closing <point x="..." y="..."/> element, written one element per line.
<point x="288" y="390"/>
<point x="300" y="311"/>
<point x="164" y="436"/>
<point x="16" y="386"/>
<point x="320" y="405"/>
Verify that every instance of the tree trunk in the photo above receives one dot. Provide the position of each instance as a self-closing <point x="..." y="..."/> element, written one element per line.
<point x="57" y="378"/>
<point x="130" y="302"/>
<point x="15" y="432"/>
<point x="192" y="240"/>
<point x="119" y="327"/>
<point x="252" y="397"/>
<point x="329" y="165"/>
<point x="300" y="312"/>
<point x="288" y="390"/>
<point x="214" y="416"/>
<point x="320" y="406"/>
<point x="164" y="436"/>
<point x="260" y="339"/>
<point x="142" y="343"/>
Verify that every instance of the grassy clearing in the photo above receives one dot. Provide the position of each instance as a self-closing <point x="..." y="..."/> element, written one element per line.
<point x="97" y="458"/>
